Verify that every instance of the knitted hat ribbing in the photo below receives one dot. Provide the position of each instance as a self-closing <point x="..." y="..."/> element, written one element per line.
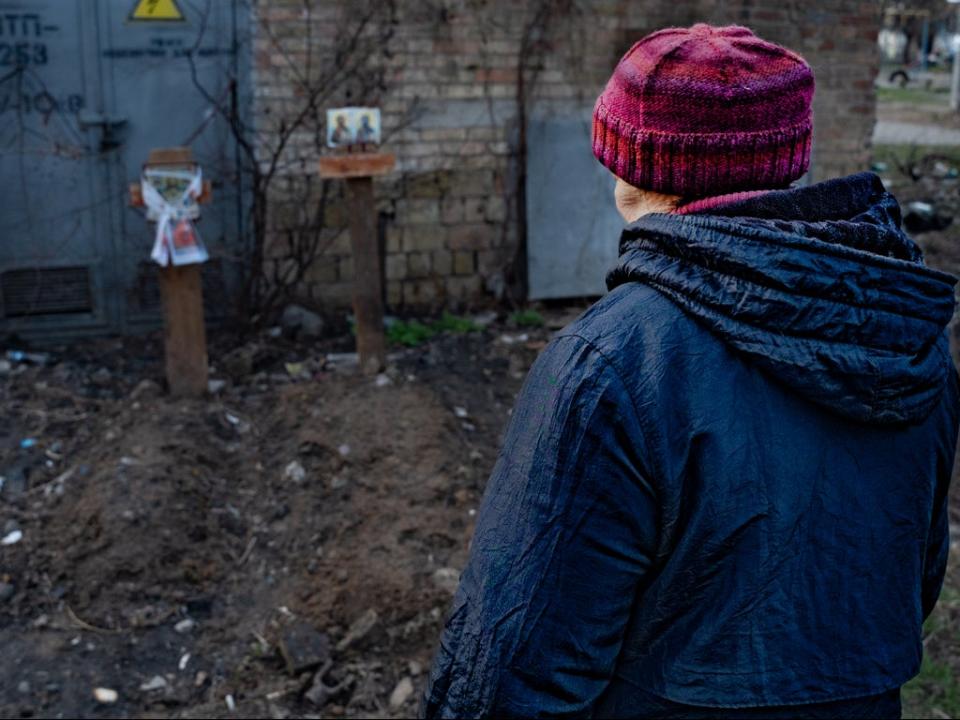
<point x="705" y="110"/>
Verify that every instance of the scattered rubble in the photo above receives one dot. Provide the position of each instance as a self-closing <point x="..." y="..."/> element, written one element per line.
<point x="401" y="693"/>
<point x="303" y="648"/>
<point x="447" y="579"/>
<point x="302" y="323"/>
<point x="359" y="630"/>
<point x="105" y="696"/>
<point x="295" y="472"/>
<point x="149" y="518"/>
<point x="214" y="386"/>
<point x="157" y="682"/>
<point x="923" y="217"/>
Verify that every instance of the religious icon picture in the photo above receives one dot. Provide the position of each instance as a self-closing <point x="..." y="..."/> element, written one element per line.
<point x="353" y="126"/>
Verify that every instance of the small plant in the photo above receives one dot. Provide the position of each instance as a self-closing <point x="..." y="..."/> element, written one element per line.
<point x="411" y="333"/>
<point x="454" y="324"/>
<point x="527" y="318"/>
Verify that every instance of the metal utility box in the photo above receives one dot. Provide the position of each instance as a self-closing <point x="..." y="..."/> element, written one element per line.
<point x="573" y="228"/>
<point x="87" y="88"/>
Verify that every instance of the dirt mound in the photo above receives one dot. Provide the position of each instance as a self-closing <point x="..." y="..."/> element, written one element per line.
<point x="170" y="548"/>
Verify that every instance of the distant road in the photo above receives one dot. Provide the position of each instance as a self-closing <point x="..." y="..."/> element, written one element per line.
<point x="890" y="132"/>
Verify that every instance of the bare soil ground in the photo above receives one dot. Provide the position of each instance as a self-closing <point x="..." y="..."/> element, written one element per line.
<point x="180" y="545"/>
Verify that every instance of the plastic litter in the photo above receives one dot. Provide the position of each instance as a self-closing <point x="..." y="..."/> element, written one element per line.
<point x="28" y="357"/>
<point x="105" y="696"/>
<point x="295" y="472"/>
<point x="157" y="682"/>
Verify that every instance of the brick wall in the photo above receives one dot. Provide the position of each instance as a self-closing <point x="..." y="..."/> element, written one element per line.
<point x="447" y="75"/>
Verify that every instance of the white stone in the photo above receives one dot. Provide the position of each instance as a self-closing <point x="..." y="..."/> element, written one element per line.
<point x="447" y="578"/>
<point x="157" y="682"/>
<point x="295" y="472"/>
<point x="105" y="696"/>
<point x="401" y="693"/>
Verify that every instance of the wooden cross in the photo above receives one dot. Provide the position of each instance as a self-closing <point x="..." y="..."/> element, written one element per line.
<point x="358" y="170"/>
<point x="185" y="339"/>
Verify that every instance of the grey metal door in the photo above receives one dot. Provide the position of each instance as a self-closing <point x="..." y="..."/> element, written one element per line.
<point x="73" y="255"/>
<point x="573" y="227"/>
<point x="55" y="249"/>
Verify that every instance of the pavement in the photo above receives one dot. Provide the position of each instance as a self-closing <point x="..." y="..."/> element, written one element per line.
<point x="893" y="132"/>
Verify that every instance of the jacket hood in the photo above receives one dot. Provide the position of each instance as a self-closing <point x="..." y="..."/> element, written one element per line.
<point x="818" y="286"/>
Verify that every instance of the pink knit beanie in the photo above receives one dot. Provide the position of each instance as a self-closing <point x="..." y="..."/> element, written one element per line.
<point x="704" y="111"/>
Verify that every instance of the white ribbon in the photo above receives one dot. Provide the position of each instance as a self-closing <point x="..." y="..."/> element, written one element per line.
<point x="167" y="215"/>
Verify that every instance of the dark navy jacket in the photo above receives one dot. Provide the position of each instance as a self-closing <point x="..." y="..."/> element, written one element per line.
<point x="725" y="485"/>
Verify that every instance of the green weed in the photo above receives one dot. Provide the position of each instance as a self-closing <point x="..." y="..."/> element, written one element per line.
<point x="937" y="686"/>
<point x="527" y="318"/>
<point x="412" y="332"/>
<point x="454" y="324"/>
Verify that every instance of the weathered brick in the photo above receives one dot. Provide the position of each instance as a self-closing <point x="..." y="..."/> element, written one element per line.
<point x="463" y="262"/>
<point x="338" y="294"/>
<point x="429" y="185"/>
<point x="420" y="292"/>
<point x="396" y="266"/>
<point x="394" y="293"/>
<point x="489" y="261"/>
<point x="475" y="209"/>
<point x="394" y="237"/>
<point x="496" y="209"/>
<point x="463" y="288"/>
<point x="451" y="210"/>
<point x="441" y="262"/>
<point x="471" y="236"/>
<point x="418" y="264"/>
<point x="322" y="270"/>
<point x="470" y="183"/>
<point x="345" y="267"/>
<point x="340" y="244"/>
<point x="424" y="237"/>
<point x="418" y="211"/>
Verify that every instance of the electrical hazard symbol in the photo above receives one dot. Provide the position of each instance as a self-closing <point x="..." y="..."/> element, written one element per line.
<point x="157" y="11"/>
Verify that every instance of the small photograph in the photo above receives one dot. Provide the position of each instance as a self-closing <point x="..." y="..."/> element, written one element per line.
<point x="353" y="126"/>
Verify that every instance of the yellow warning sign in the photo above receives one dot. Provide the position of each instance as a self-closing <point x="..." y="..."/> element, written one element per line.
<point x="157" y="11"/>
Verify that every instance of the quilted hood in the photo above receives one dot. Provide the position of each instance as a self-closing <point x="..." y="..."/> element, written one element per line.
<point x="818" y="286"/>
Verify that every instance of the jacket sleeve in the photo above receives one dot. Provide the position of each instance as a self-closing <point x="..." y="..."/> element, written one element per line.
<point x="563" y="543"/>
<point x="938" y="542"/>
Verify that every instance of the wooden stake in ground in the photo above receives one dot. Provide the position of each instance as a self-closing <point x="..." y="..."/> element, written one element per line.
<point x="181" y="289"/>
<point x="358" y="170"/>
<point x="184" y="333"/>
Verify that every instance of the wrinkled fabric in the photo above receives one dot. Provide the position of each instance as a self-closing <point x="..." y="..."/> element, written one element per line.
<point x="724" y="486"/>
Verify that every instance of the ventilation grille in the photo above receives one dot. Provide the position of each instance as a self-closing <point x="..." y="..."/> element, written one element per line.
<point x="46" y="291"/>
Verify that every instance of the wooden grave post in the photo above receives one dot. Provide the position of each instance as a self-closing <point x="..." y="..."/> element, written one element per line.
<point x="358" y="170"/>
<point x="181" y="290"/>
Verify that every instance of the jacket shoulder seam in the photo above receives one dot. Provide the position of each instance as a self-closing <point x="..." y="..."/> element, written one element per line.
<point x="641" y="417"/>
